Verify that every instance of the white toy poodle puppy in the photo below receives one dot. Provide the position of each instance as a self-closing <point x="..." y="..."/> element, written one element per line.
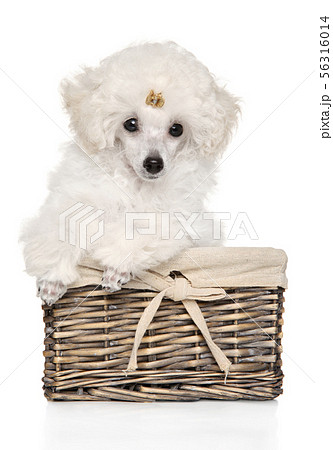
<point x="149" y="124"/>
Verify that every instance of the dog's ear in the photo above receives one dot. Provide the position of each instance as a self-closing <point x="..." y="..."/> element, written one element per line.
<point x="82" y="100"/>
<point x="221" y="113"/>
<point x="228" y="111"/>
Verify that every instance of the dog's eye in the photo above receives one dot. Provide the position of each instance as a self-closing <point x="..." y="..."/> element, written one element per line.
<point x="176" y="130"/>
<point x="131" y="125"/>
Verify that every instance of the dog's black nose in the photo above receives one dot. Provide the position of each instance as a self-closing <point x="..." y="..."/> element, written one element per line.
<point x="153" y="164"/>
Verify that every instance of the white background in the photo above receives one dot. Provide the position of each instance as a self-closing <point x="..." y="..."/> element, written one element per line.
<point x="279" y="173"/>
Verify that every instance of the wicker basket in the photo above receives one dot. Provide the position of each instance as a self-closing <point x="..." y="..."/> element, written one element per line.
<point x="90" y="336"/>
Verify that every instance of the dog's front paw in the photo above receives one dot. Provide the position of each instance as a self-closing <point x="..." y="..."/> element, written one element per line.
<point x="113" y="279"/>
<point x="50" y="291"/>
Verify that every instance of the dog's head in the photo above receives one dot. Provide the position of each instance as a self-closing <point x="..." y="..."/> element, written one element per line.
<point x="154" y="104"/>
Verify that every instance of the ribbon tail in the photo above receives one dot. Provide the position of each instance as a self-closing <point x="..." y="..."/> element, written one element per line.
<point x="144" y="322"/>
<point x="195" y="313"/>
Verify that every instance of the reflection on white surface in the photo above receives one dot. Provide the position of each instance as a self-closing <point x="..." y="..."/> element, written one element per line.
<point x="204" y="424"/>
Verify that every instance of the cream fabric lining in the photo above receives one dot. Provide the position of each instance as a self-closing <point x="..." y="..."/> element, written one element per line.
<point x="224" y="267"/>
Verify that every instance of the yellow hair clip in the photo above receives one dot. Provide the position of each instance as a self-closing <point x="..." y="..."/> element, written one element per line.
<point x="155" y="100"/>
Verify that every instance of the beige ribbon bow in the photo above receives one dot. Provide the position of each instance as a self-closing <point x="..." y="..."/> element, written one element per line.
<point x="179" y="290"/>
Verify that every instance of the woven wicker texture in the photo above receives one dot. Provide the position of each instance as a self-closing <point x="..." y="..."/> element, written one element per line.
<point x="90" y="333"/>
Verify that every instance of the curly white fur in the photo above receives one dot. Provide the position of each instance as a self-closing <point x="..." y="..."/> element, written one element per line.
<point x="109" y="173"/>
